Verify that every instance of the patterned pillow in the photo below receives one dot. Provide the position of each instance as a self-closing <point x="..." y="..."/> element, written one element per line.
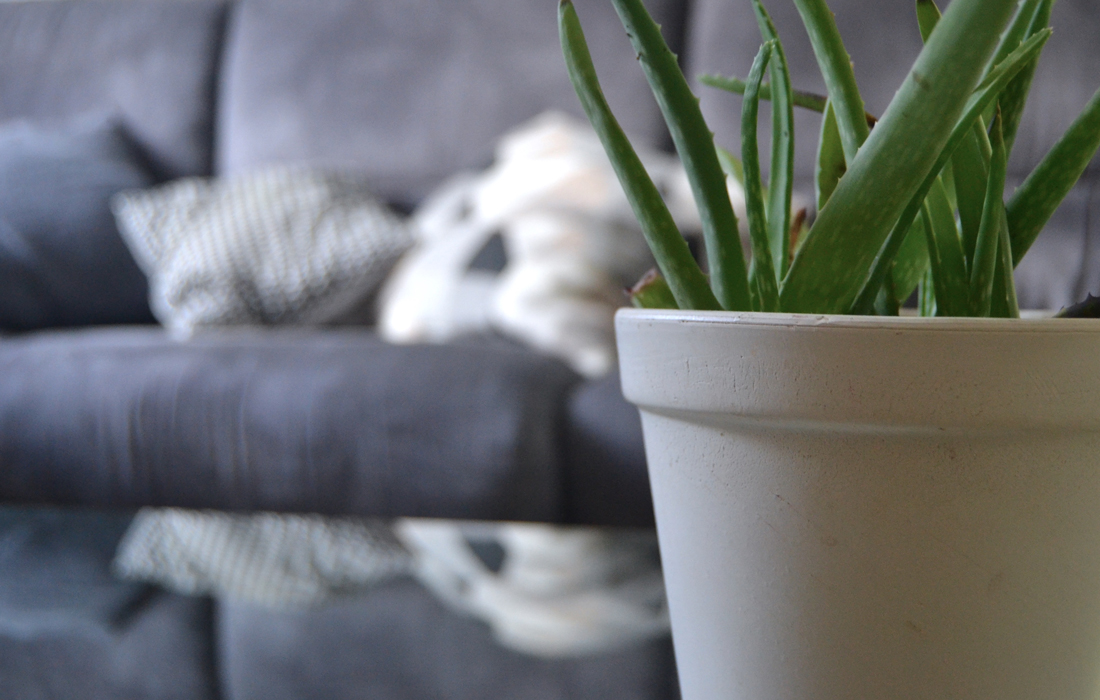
<point x="278" y="246"/>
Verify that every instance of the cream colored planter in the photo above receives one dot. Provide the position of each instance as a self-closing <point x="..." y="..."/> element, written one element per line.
<point x="858" y="508"/>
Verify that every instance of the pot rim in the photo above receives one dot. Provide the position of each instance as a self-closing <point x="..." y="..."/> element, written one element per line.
<point x="933" y="374"/>
<point x="1031" y="322"/>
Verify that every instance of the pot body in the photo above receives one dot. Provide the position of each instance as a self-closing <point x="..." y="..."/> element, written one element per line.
<point x="854" y="507"/>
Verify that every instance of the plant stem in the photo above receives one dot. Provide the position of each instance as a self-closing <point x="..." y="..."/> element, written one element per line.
<point x="982" y="98"/>
<point x="799" y="98"/>
<point x="836" y="68"/>
<point x="829" y="166"/>
<point x="695" y="144"/>
<point x="951" y="274"/>
<point x="1004" y="282"/>
<point x="681" y="272"/>
<point x="869" y="199"/>
<point x="652" y="292"/>
<point x="781" y="178"/>
<point x="1032" y="205"/>
<point x="1015" y="93"/>
<point x="984" y="260"/>
<point x="970" y="166"/>
<point x="762" y="274"/>
<point x="911" y="262"/>
<point x="928" y="16"/>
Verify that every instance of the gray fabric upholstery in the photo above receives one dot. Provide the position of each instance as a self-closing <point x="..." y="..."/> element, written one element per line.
<point x="151" y="63"/>
<point x="69" y="631"/>
<point x="334" y="422"/>
<point x="1063" y="266"/>
<point x="410" y="92"/>
<point x="62" y="262"/>
<point x="399" y="643"/>
<point x="606" y="482"/>
<point x="55" y="564"/>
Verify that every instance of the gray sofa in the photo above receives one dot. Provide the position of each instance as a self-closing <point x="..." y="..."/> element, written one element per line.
<point x="101" y="412"/>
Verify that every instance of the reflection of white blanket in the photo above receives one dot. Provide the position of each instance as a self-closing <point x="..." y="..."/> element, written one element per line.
<point x="555" y="591"/>
<point x="571" y="241"/>
<point x="560" y="591"/>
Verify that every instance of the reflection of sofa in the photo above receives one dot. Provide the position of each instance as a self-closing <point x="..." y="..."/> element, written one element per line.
<point x="334" y="421"/>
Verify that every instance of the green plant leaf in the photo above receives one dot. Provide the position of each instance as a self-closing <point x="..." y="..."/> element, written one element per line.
<point x="992" y="85"/>
<point x="947" y="176"/>
<point x="970" y="167"/>
<point x="731" y="166"/>
<point x="830" y="165"/>
<point x="799" y="98"/>
<point x="762" y="272"/>
<point x="686" y="281"/>
<point x="978" y="101"/>
<point x="928" y="16"/>
<point x="695" y="144"/>
<point x="911" y="262"/>
<point x="984" y="260"/>
<point x="1032" y="205"/>
<point x="969" y="194"/>
<point x="754" y="286"/>
<point x="836" y="68"/>
<point x="840" y="252"/>
<point x="949" y="275"/>
<point x="1004" y="303"/>
<point x="926" y="294"/>
<point x="1015" y="94"/>
<point x="652" y="292"/>
<point x="1018" y="30"/>
<point x="966" y="189"/>
<point x="781" y="178"/>
<point x="886" y="303"/>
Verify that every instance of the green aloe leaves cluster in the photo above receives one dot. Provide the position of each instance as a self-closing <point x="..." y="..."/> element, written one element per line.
<point x="912" y="201"/>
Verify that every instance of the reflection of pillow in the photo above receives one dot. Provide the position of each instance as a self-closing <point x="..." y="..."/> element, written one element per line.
<point x="62" y="262"/>
<point x="283" y="245"/>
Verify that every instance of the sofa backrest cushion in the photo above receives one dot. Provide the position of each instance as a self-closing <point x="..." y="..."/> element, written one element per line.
<point x="883" y="40"/>
<point x="62" y="262"/>
<point x="411" y="91"/>
<point x="150" y="63"/>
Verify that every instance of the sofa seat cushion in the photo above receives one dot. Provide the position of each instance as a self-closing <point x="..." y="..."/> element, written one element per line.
<point x="411" y="91"/>
<point x="399" y="643"/>
<point x="54" y="564"/>
<point x="69" y="630"/>
<point x="332" y="422"/>
<point x="152" y="64"/>
<point x="606" y="482"/>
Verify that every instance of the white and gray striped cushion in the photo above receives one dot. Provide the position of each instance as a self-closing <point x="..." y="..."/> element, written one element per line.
<point x="284" y="245"/>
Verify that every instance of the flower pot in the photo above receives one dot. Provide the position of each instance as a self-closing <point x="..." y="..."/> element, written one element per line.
<point x="857" y="507"/>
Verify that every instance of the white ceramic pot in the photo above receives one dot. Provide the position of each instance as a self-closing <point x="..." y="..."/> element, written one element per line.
<point x="856" y="508"/>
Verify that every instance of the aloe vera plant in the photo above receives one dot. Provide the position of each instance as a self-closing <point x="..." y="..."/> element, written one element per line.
<point x="911" y="201"/>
